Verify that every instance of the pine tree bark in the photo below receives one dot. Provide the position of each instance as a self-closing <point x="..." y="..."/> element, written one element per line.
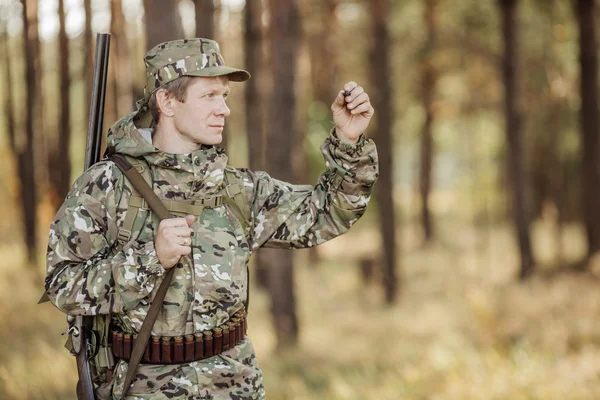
<point x="25" y="150"/>
<point x="205" y="18"/>
<point x="516" y="165"/>
<point x="88" y="67"/>
<point x="59" y="157"/>
<point x="255" y="130"/>
<point x="283" y="42"/>
<point x="588" y="64"/>
<point x="121" y="60"/>
<point x="382" y="102"/>
<point x="163" y="21"/>
<point x="323" y="51"/>
<point x="428" y="87"/>
<point x="8" y="77"/>
<point x="320" y="35"/>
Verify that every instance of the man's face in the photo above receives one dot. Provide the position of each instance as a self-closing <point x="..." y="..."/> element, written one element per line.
<point x="201" y="118"/>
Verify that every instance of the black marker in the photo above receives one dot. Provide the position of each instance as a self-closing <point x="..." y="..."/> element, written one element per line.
<point x="347" y="93"/>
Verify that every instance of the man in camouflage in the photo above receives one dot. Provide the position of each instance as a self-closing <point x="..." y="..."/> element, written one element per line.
<point x="93" y="269"/>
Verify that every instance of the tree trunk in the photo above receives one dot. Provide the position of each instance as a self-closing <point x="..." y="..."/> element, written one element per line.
<point x="8" y="79"/>
<point x="284" y="40"/>
<point x="205" y="18"/>
<point x="123" y="79"/>
<point x="25" y="151"/>
<point x="320" y="32"/>
<point x="59" y="157"/>
<point x="88" y="67"/>
<point x="323" y="52"/>
<point x="382" y="102"/>
<point x="428" y="82"/>
<point x="163" y="21"/>
<point x="514" y="136"/>
<point x="119" y="79"/>
<point x="588" y="61"/>
<point x="253" y="41"/>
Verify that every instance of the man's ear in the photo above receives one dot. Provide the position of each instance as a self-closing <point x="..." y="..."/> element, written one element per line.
<point x="164" y="103"/>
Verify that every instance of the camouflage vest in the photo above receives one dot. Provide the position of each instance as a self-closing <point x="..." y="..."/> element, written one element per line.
<point x="231" y="195"/>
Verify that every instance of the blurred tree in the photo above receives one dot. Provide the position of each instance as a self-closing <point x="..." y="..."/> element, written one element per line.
<point x="319" y="25"/>
<point x="588" y="64"/>
<point x="119" y="90"/>
<point x="88" y="48"/>
<point x="254" y="99"/>
<point x="205" y="18"/>
<point x="59" y="156"/>
<point x="512" y="111"/>
<point x="25" y="148"/>
<point x="382" y="102"/>
<point x="547" y="175"/>
<point x="7" y="79"/>
<point x="163" y="21"/>
<point x="253" y="38"/>
<point x="428" y="81"/>
<point x="284" y="38"/>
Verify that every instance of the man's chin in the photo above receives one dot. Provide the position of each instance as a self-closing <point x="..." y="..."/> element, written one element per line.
<point x="214" y="140"/>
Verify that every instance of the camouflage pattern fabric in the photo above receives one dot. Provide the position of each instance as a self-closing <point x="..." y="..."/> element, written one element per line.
<point x="89" y="273"/>
<point x="193" y="57"/>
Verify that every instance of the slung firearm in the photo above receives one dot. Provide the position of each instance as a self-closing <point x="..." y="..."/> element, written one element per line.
<point x="85" y="340"/>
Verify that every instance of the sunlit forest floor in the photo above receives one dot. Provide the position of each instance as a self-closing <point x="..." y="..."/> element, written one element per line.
<point x="463" y="328"/>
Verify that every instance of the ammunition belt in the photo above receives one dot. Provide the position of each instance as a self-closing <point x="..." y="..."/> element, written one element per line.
<point x="184" y="349"/>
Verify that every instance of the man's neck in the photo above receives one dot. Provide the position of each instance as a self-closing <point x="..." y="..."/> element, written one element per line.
<point x="169" y="140"/>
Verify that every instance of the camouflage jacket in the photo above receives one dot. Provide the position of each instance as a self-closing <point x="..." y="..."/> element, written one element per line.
<point x="89" y="273"/>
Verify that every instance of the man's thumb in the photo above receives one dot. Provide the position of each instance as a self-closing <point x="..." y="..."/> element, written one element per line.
<point x="339" y="101"/>
<point x="190" y="219"/>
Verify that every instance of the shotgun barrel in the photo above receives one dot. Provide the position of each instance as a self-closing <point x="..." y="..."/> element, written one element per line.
<point x="82" y="339"/>
<point x="94" y="137"/>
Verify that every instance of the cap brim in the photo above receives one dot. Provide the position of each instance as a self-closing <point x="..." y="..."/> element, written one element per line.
<point x="234" y="74"/>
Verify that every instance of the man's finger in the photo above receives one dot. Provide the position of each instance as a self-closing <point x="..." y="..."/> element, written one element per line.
<point x="339" y="100"/>
<point x="173" y="222"/>
<point x="350" y="86"/>
<point x="190" y="219"/>
<point x="363" y="108"/>
<point x="360" y="99"/>
<point x="178" y="231"/>
<point x="186" y="241"/>
<point x="354" y="94"/>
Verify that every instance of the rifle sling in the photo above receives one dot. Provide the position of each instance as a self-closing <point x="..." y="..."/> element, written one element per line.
<point x="159" y="208"/>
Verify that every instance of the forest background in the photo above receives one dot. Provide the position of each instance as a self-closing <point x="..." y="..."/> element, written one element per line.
<point x="474" y="273"/>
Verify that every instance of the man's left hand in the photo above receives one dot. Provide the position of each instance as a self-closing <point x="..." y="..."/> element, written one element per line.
<point x="351" y="114"/>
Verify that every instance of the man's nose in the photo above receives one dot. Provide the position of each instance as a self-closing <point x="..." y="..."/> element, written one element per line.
<point x="222" y="109"/>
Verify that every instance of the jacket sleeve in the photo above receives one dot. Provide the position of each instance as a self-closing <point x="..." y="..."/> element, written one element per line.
<point x="294" y="216"/>
<point x="85" y="273"/>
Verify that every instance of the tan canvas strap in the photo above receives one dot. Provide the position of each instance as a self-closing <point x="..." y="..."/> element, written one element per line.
<point x="179" y="208"/>
<point x="125" y="231"/>
<point x="235" y="198"/>
<point x="159" y="208"/>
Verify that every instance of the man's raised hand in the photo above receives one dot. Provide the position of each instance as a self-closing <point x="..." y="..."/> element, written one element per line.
<point x="351" y="113"/>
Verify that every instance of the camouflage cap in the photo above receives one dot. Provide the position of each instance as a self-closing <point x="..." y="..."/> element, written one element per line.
<point x="193" y="57"/>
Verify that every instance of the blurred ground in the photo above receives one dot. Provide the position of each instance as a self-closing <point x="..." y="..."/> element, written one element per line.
<point x="463" y="328"/>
